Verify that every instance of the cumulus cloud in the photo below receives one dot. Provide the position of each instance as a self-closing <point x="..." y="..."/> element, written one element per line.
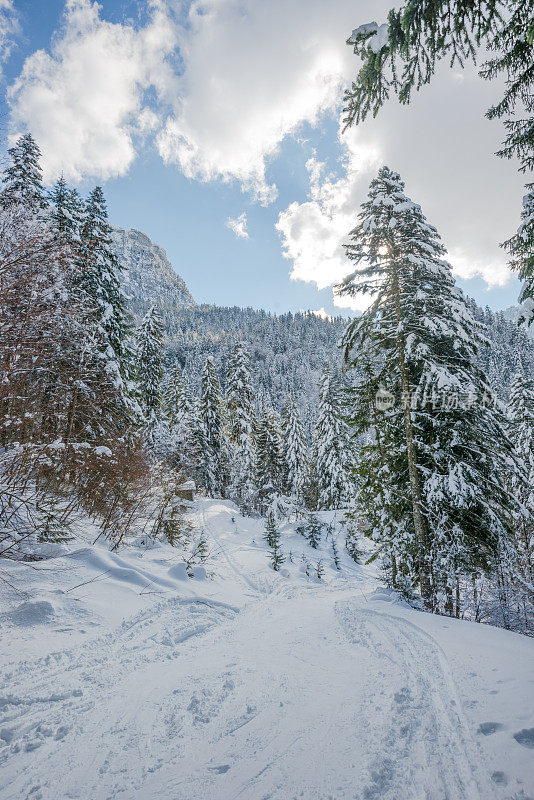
<point x="443" y="148"/>
<point x="238" y="225"/>
<point x="83" y="101"/>
<point x="9" y="29"/>
<point x="218" y="85"/>
<point x="253" y="73"/>
<point x="228" y="81"/>
<point x="467" y="265"/>
<point x="313" y="232"/>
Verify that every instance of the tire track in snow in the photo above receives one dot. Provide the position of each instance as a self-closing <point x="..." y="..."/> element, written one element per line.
<point x="427" y="744"/>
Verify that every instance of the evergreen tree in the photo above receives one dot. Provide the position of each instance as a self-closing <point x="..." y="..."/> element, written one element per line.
<point x="102" y="278"/>
<point x="294" y="449"/>
<point x="240" y="408"/>
<point x="66" y="210"/>
<point x="521" y="248"/>
<point x="402" y="54"/>
<point x="332" y="443"/>
<point x="312" y="530"/>
<point x="181" y="412"/>
<point x="435" y="471"/>
<point x="23" y="178"/>
<point x="335" y="554"/>
<point x="210" y="417"/>
<point x="269" y="455"/>
<point x="149" y="352"/>
<point x="272" y="537"/>
<point x="521" y="413"/>
<point x="176" y="396"/>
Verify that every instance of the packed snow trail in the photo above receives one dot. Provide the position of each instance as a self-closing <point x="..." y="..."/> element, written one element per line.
<point x="298" y="690"/>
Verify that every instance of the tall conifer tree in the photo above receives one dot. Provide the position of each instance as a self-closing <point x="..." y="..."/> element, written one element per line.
<point x="23" y="178"/>
<point x="100" y="274"/>
<point x="149" y="352"/>
<point x="210" y="416"/>
<point x="440" y="436"/>
<point x="269" y="454"/>
<point x="241" y="415"/>
<point x="332" y="445"/>
<point x="66" y="208"/>
<point x="295" y="449"/>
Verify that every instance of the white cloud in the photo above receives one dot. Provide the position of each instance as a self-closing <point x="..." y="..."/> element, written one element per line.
<point x="247" y="74"/>
<point x="464" y="265"/>
<point x="84" y="101"/>
<point x="313" y="232"/>
<point x="9" y="29"/>
<point x="220" y="86"/>
<point x="321" y="313"/>
<point x="254" y="72"/>
<point x="238" y="225"/>
<point x="443" y="148"/>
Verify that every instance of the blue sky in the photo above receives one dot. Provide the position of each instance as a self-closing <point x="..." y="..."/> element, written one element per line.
<point x="194" y="114"/>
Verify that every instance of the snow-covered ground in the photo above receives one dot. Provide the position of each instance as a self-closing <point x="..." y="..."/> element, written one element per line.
<point x="123" y="678"/>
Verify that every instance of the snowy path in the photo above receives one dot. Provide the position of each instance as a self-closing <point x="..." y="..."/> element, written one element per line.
<point x="307" y="691"/>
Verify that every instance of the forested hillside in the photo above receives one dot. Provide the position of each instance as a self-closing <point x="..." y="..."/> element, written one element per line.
<point x="287" y="351"/>
<point x="414" y="418"/>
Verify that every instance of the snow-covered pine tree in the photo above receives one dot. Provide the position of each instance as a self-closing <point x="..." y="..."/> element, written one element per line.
<point x="269" y="455"/>
<point x="100" y="280"/>
<point x="440" y="457"/>
<point x="179" y="415"/>
<point x="332" y="445"/>
<point x="273" y="539"/>
<point x="23" y="177"/>
<point x="312" y="530"/>
<point x="521" y="413"/>
<point x="211" y="419"/>
<point x="295" y="449"/>
<point x="521" y="249"/>
<point x="198" y="460"/>
<point x="149" y="355"/>
<point x="66" y="210"/>
<point x="176" y="396"/>
<point x="240" y="418"/>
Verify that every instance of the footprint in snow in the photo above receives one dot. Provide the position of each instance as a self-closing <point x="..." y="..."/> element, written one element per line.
<point x="487" y="728"/>
<point x="525" y="737"/>
<point x="500" y="778"/>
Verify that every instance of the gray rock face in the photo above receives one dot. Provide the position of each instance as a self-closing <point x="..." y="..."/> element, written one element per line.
<point x="148" y="274"/>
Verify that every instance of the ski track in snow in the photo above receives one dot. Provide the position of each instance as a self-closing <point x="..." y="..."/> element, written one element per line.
<point x="304" y="693"/>
<point x="425" y="734"/>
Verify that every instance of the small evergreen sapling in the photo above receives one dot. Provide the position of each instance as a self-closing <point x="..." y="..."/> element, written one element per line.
<point x="311" y="529"/>
<point x="272" y="537"/>
<point x="335" y="555"/>
<point x="270" y="530"/>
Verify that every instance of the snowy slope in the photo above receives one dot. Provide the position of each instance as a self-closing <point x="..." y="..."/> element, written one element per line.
<point x="143" y="684"/>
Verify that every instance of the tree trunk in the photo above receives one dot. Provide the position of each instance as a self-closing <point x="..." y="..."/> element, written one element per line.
<point x="415" y="490"/>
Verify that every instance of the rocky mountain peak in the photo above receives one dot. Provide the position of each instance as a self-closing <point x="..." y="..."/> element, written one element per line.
<point x="149" y="276"/>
